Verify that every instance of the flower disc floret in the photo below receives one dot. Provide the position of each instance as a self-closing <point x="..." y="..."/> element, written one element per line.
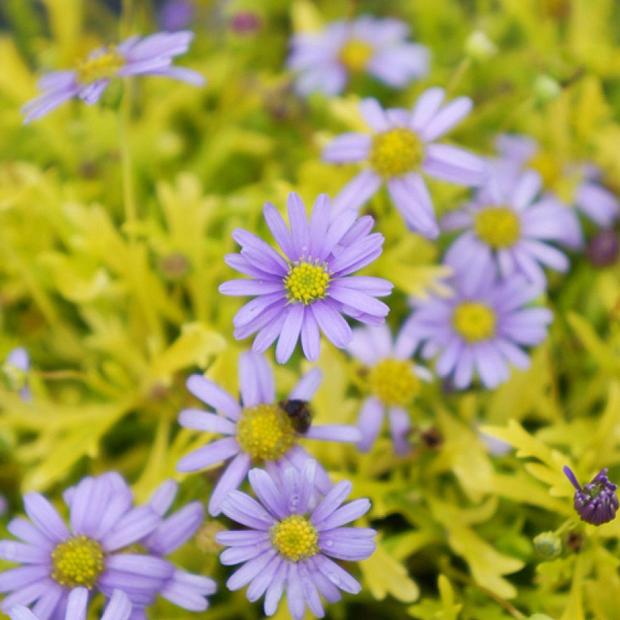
<point x="474" y="321"/>
<point x="100" y="67"/>
<point x="295" y="538"/>
<point x="393" y="382"/>
<point x="306" y="282"/>
<point x="396" y="152"/>
<point x="265" y="432"/>
<point x="355" y="55"/>
<point x="77" y="562"/>
<point x="499" y="227"/>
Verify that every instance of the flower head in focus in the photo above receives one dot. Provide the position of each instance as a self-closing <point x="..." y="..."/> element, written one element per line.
<point x="119" y="608"/>
<point x="258" y="430"/>
<point x="482" y="328"/>
<point x="151" y="55"/>
<point x="325" y="61"/>
<point x="507" y="225"/>
<point x="289" y="544"/>
<point x="309" y="289"/>
<point x="399" y="150"/>
<point x="596" y="502"/>
<point x="574" y="185"/>
<point x="393" y="382"/>
<point x="92" y="553"/>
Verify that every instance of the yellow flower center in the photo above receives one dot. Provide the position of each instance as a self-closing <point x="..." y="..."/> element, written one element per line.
<point x="265" y="432"/>
<point x="77" y="562"/>
<point x="474" y="321"/>
<point x="393" y="382"/>
<point x="306" y="282"/>
<point x="498" y="227"/>
<point x="396" y="152"/>
<point x="103" y="66"/>
<point x="355" y="55"/>
<point x="295" y="538"/>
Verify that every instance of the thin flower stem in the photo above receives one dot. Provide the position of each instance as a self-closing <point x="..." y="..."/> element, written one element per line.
<point x="129" y="198"/>
<point x="458" y="75"/>
<point x="466" y="579"/>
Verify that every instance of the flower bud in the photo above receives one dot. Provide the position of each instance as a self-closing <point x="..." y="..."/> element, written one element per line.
<point x="546" y="88"/>
<point x="479" y="47"/>
<point x="603" y="248"/>
<point x="548" y="545"/>
<point x="595" y="502"/>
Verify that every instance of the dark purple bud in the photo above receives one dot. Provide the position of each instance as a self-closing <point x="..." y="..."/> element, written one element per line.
<point x="245" y="22"/>
<point x="595" y="502"/>
<point x="603" y="248"/>
<point x="176" y="15"/>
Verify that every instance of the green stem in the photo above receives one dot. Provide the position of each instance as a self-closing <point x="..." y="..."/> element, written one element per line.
<point x="457" y="76"/>
<point x="466" y="579"/>
<point x="129" y="197"/>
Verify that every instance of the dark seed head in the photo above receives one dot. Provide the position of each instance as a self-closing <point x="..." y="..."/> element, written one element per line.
<point x="603" y="248"/>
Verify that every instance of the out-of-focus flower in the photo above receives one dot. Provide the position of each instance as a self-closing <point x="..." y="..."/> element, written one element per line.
<point x="119" y="608"/>
<point x="574" y="185"/>
<point x="393" y="381"/>
<point x="176" y="15"/>
<point x="595" y="502"/>
<point x="152" y="55"/>
<point x="509" y="226"/>
<point x="245" y="22"/>
<point x="15" y="372"/>
<point x="325" y="60"/>
<point x="258" y="430"/>
<point x="289" y="544"/>
<point x="482" y="328"/>
<point x="602" y="249"/>
<point x="91" y="554"/>
<point x="401" y="147"/>
<point x="310" y="288"/>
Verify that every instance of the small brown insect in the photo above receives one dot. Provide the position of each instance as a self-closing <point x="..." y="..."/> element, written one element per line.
<point x="299" y="413"/>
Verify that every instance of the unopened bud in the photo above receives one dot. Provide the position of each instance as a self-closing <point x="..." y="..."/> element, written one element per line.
<point x="548" y="545"/>
<point x="546" y="88"/>
<point x="479" y="47"/>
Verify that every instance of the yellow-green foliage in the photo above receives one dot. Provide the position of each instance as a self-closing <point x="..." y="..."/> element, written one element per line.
<point x="117" y="307"/>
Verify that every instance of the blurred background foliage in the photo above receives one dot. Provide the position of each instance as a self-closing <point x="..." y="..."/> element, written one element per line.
<point x="116" y="310"/>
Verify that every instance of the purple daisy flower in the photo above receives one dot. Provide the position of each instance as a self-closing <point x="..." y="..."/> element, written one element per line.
<point x="577" y="185"/>
<point x="393" y="382"/>
<point x="152" y="55"/>
<point x="509" y="226"/>
<point x="119" y="608"/>
<point x="595" y="502"/>
<point x="258" y="430"/>
<point x="15" y="371"/>
<point x="89" y="553"/>
<point x="482" y="328"/>
<point x="307" y="290"/>
<point x="289" y="544"/>
<point x="401" y="147"/>
<point x="325" y="60"/>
